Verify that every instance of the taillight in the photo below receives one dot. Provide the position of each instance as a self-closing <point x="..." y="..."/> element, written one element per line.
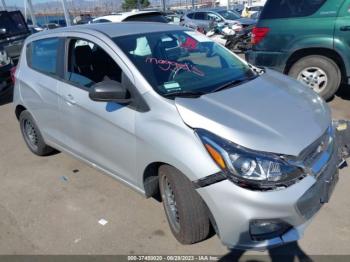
<point x="258" y="34"/>
<point x="12" y="72"/>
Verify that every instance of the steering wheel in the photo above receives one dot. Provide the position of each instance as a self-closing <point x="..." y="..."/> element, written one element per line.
<point x="176" y="71"/>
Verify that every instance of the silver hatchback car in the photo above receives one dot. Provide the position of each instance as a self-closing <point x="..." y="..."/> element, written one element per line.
<point x="246" y="151"/>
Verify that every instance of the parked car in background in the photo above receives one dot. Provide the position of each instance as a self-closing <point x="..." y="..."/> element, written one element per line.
<point x="205" y="18"/>
<point x="169" y="112"/>
<point x="231" y="15"/>
<point x="308" y="40"/>
<point x="250" y="10"/>
<point x="82" y="19"/>
<point x="256" y="15"/>
<point x="35" y="29"/>
<point x="180" y="12"/>
<point x="49" y="26"/>
<point x="173" y="19"/>
<point x="58" y="22"/>
<point x="238" y="8"/>
<point x="145" y="16"/>
<point x="13" y="31"/>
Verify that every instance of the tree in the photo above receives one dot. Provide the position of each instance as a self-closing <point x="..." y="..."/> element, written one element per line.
<point x="132" y="4"/>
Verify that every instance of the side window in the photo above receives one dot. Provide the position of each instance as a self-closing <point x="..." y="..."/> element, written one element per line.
<point x="42" y="55"/>
<point x="290" y="8"/>
<point x="89" y="64"/>
<point x="214" y="17"/>
<point x="200" y="16"/>
<point x="191" y="15"/>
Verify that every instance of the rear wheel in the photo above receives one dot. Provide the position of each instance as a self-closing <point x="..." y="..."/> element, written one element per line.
<point x="320" y="73"/>
<point x="32" y="135"/>
<point x="185" y="210"/>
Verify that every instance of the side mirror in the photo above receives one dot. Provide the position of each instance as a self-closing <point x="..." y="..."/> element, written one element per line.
<point x="110" y="91"/>
<point x="3" y="31"/>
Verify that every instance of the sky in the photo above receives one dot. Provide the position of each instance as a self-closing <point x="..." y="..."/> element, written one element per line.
<point x="20" y="2"/>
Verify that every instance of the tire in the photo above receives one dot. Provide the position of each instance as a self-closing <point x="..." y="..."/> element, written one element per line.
<point x="323" y="65"/>
<point x="192" y="222"/>
<point x="32" y="136"/>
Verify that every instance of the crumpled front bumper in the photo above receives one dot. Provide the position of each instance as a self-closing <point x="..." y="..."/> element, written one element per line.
<point x="233" y="208"/>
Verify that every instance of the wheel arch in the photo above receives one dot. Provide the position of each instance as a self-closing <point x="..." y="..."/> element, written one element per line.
<point x="150" y="179"/>
<point x="329" y="53"/>
<point x="19" y="109"/>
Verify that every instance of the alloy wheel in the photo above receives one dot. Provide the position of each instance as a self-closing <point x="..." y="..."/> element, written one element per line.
<point x="315" y="78"/>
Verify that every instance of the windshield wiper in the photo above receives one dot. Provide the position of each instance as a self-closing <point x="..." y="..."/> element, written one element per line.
<point x="257" y="70"/>
<point x="184" y="94"/>
<point x="234" y="83"/>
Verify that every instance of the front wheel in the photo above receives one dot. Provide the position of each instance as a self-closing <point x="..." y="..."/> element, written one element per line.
<point x="320" y="73"/>
<point x="185" y="210"/>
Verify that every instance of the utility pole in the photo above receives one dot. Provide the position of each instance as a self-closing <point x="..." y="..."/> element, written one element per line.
<point x="31" y="11"/>
<point x="163" y="5"/>
<point x="3" y="5"/>
<point x="138" y="5"/>
<point x="66" y="13"/>
<point x="193" y="4"/>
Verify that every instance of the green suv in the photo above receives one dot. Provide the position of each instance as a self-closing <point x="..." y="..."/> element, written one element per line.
<point x="306" y="39"/>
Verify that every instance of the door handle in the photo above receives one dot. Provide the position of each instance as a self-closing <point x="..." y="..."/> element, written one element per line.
<point x="345" y="28"/>
<point x="70" y="100"/>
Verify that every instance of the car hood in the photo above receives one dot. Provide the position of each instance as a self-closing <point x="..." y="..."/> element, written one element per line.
<point x="272" y="113"/>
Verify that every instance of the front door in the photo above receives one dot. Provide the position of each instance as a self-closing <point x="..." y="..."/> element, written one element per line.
<point x="100" y="132"/>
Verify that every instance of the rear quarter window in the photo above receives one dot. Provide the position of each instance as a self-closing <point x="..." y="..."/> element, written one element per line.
<point x="290" y="8"/>
<point x="42" y="55"/>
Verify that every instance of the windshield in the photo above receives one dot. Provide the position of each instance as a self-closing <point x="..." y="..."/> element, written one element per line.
<point x="229" y="15"/>
<point x="183" y="62"/>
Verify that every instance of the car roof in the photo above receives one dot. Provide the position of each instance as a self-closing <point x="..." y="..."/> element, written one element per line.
<point x="208" y="9"/>
<point x="118" y="17"/>
<point x="116" y="29"/>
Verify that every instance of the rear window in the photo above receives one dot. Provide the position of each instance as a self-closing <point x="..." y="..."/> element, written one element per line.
<point x="151" y="17"/>
<point x="42" y="55"/>
<point x="290" y="8"/>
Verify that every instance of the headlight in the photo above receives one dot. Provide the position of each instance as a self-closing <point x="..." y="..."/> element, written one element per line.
<point x="248" y="168"/>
